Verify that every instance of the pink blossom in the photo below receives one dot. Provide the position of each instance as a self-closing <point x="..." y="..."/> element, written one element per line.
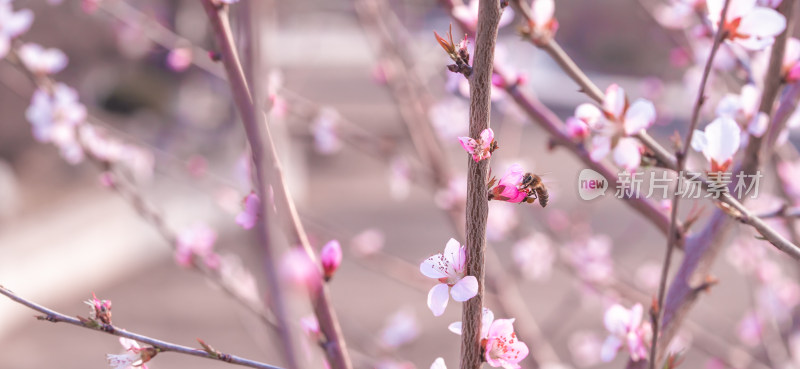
<point x="500" y="344"/>
<point x="298" y="268"/>
<point x="330" y="257"/>
<point x="446" y="111"/>
<point x="401" y="328"/>
<point x="179" y="59"/>
<point x="626" y="329"/>
<point x="12" y="24"/>
<point x="508" y="189"/>
<point x="585" y="348"/>
<point x="481" y="148"/>
<point x="252" y="209"/>
<point x="744" y="107"/>
<point x="718" y="143"/>
<point x="399" y="178"/>
<point x="534" y="255"/>
<point x="42" y="61"/>
<point x="577" y="129"/>
<point x="100" y="309"/>
<point x="55" y="117"/>
<point x="542" y="25"/>
<point x="368" y="242"/>
<point x="619" y="121"/>
<point x="751" y="26"/>
<point x="750" y="329"/>
<point x="502" y="347"/>
<point x="591" y="259"/>
<point x="448" y="268"/>
<point x="326" y="139"/>
<point x="197" y="241"/>
<point x="502" y="219"/>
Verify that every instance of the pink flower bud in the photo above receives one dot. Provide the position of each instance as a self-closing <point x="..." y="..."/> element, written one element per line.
<point x="577" y="129"/>
<point x="331" y="257"/>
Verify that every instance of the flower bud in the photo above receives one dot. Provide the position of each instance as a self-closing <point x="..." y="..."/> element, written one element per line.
<point x="331" y="257"/>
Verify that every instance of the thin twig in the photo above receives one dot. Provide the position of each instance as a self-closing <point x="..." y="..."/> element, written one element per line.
<point x="655" y="311"/>
<point x="162" y="346"/>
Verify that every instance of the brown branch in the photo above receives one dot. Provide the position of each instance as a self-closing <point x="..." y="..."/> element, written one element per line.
<point x="161" y="346"/>
<point x="266" y="161"/>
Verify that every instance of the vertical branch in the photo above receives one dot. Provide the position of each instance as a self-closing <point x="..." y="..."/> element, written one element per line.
<point x="266" y="160"/>
<point x="244" y="104"/>
<point x="477" y="175"/>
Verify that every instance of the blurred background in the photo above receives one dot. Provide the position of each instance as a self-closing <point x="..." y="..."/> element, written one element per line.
<point x="144" y="73"/>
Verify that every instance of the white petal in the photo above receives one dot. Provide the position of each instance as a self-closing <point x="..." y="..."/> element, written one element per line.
<point x="465" y="289"/>
<point x="452" y="253"/>
<point x="640" y="115"/>
<point x="792" y="52"/>
<point x="433" y="267"/>
<point x="507" y="16"/>
<point x="636" y="316"/>
<point x="616" y="319"/>
<point x="589" y="114"/>
<point x="486" y="321"/>
<point x="437" y="298"/>
<point x="759" y="124"/>
<point x="438" y="364"/>
<point x="723" y="135"/>
<point x="699" y="141"/>
<point x="729" y="105"/>
<point x="455" y="327"/>
<point x="762" y="22"/>
<point x="614" y="102"/>
<point x="738" y="8"/>
<point x="610" y="348"/>
<point x="543" y="11"/>
<point x="627" y="153"/>
<point x="18" y="23"/>
<point x="750" y="99"/>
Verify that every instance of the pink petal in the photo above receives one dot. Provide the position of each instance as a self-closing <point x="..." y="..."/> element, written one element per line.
<point x="487" y="318"/>
<point x="468" y="144"/>
<point x="601" y="146"/>
<point x="762" y="22"/>
<point x="723" y="135"/>
<point x="640" y="116"/>
<point x="455" y="327"/>
<point x="501" y="328"/>
<point x="542" y="11"/>
<point x="465" y="289"/>
<point x="750" y="99"/>
<point x="589" y="114"/>
<point x="454" y="254"/>
<point x="636" y="316"/>
<point x="792" y="53"/>
<point x="437" y="298"/>
<point x="627" y="153"/>
<point x="610" y="348"/>
<point x="487" y="136"/>
<point x="614" y="103"/>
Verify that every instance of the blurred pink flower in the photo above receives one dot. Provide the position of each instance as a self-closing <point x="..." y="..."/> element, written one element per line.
<point x="326" y="139"/>
<point x="789" y="171"/>
<point x="55" y="118"/>
<point x="790" y="69"/>
<point x="12" y="24"/>
<point x="718" y="143"/>
<point x="620" y="120"/>
<point x="401" y="328"/>
<point x="481" y="148"/>
<point x="399" y="178"/>
<point x="448" y="268"/>
<point x="42" y="61"/>
<point x="368" y="242"/>
<point x="584" y="346"/>
<point x="752" y="27"/>
<point x="503" y="219"/>
<point x="252" y="208"/>
<point x="469" y="14"/>
<point x="626" y="329"/>
<point x="310" y="326"/>
<point x="502" y="348"/>
<point x="542" y="25"/>
<point x="179" y="59"/>
<point x="298" y="268"/>
<point x="750" y="329"/>
<point x="197" y="241"/>
<point x="331" y="258"/>
<point x="508" y="188"/>
<point x="591" y="259"/>
<point x="534" y="256"/>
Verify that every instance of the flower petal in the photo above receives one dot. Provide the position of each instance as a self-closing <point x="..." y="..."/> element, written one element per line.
<point x="699" y="141"/>
<point x="614" y="103"/>
<point x="616" y="319"/>
<point x="589" y="114"/>
<point x="433" y="267"/>
<point x="722" y="135"/>
<point x="438" y="364"/>
<point x="601" y="146"/>
<point x="455" y="327"/>
<point x="437" y="298"/>
<point x="487" y="136"/>
<point x="465" y="289"/>
<point x="762" y="22"/>
<point x="542" y="11"/>
<point x="468" y="144"/>
<point x="453" y="254"/>
<point x="627" y="153"/>
<point x="640" y="115"/>
<point x="610" y="348"/>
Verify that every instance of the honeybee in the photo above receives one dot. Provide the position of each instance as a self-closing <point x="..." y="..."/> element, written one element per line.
<point x="533" y="183"/>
